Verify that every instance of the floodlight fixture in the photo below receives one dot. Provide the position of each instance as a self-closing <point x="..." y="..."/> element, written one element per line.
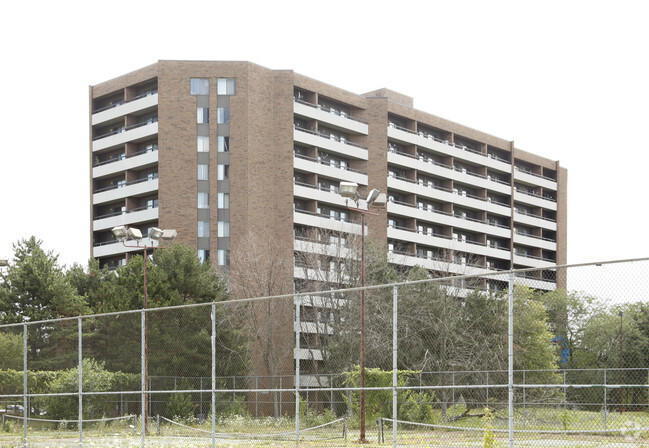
<point x="169" y="234"/>
<point x="376" y="198"/>
<point x="348" y="190"/>
<point x="155" y="233"/>
<point x="120" y="232"/>
<point x="134" y="234"/>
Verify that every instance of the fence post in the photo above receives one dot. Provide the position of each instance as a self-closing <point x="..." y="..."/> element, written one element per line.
<point x="256" y="396"/>
<point x="143" y="375"/>
<point x="453" y="396"/>
<point x="395" y="296"/>
<point x="524" y="400"/>
<point x="510" y="356"/>
<point x="605" y="402"/>
<point x="213" y="375"/>
<point x="157" y="421"/>
<point x="80" y="370"/>
<point x="297" y="371"/>
<point x="25" y="384"/>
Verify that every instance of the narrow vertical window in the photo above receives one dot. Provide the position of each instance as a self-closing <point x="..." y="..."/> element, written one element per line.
<point x="203" y="172"/>
<point x="203" y="143"/>
<point x="203" y="228"/>
<point x="223" y="115"/>
<point x="203" y="115"/>
<point x="223" y="143"/>
<point x="223" y="200"/>
<point x="203" y="200"/>
<point x="223" y="257"/>
<point x="223" y="172"/>
<point x="223" y="229"/>
<point x="203" y="255"/>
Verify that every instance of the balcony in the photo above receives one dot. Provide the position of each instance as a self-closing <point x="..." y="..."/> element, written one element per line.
<point x="530" y="198"/>
<point x="319" y="194"/>
<point x="447" y="219"/>
<point x="307" y="218"/>
<point x="445" y="147"/>
<point x="133" y="188"/>
<point x="312" y="165"/>
<point x="138" y="160"/>
<point x="534" y="179"/>
<point x="136" y="132"/>
<point x="110" y="248"/>
<point x="138" y="104"/>
<point x="324" y="141"/>
<point x="329" y="116"/>
<point x="446" y="242"/>
<point x="446" y="171"/>
<point x="127" y="218"/>
<point x="446" y="195"/>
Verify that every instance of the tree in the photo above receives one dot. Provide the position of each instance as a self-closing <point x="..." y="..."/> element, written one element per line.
<point x="11" y="347"/>
<point x="263" y="272"/>
<point x="34" y="288"/>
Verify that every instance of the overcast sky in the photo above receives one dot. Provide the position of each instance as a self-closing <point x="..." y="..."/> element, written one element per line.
<point x="568" y="80"/>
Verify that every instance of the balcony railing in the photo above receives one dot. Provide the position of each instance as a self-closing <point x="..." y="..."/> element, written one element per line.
<point x="123" y="157"/>
<point x="126" y="128"/>
<point x="446" y="142"/>
<point x="124" y="184"/>
<point x="322" y="162"/>
<point x="331" y="111"/>
<point x="535" y="216"/>
<point x="329" y="137"/>
<point x="111" y="106"/>
<point x="124" y="212"/>
<point x="327" y="216"/>
<point x="532" y="173"/>
<point x="531" y="193"/>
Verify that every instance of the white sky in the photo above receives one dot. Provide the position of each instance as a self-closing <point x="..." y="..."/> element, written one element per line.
<point x="568" y="80"/>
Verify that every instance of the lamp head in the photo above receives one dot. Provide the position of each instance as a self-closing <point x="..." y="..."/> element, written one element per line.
<point x="155" y="233"/>
<point x="120" y="232"/>
<point x="134" y="234"/>
<point x="169" y="234"/>
<point x="376" y="198"/>
<point x="349" y="190"/>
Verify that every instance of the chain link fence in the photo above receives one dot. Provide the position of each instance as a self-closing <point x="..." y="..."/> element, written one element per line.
<point x="538" y="357"/>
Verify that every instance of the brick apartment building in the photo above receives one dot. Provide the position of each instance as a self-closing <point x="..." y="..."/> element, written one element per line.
<point x="218" y="150"/>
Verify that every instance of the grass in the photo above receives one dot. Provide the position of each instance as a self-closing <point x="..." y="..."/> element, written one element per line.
<point x="625" y="428"/>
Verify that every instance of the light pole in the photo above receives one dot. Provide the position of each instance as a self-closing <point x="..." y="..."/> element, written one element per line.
<point x="377" y="199"/>
<point x="125" y="234"/>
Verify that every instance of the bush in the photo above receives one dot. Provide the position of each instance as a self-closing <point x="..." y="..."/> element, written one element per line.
<point x="179" y="405"/>
<point x="378" y="403"/>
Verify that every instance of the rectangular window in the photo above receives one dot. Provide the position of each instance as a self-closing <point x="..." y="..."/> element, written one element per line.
<point x="203" y="143"/>
<point x="203" y="172"/>
<point x="223" y="229"/>
<point x="223" y="257"/>
<point x="223" y="115"/>
<point x="203" y="255"/>
<point x="223" y="200"/>
<point x="199" y="86"/>
<point x="223" y="143"/>
<point x="203" y="200"/>
<point x="203" y="115"/>
<point x="225" y="86"/>
<point x="203" y="228"/>
<point x="223" y="172"/>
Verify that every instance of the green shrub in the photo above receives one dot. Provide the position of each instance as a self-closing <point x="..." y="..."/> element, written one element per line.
<point x="179" y="405"/>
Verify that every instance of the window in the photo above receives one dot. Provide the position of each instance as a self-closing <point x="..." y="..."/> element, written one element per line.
<point x="203" y="172"/>
<point x="203" y="228"/>
<point x="203" y="143"/>
<point x="223" y="172"/>
<point x="222" y="115"/>
<point x="223" y="257"/>
<point x="203" y="200"/>
<point x="152" y="203"/>
<point x="203" y="255"/>
<point x="199" y="86"/>
<point x="223" y="229"/>
<point x="226" y="86"/>
<point x="203" y="115"/>
<point x="223" y="200"/>
<point x="223" y="144"/>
